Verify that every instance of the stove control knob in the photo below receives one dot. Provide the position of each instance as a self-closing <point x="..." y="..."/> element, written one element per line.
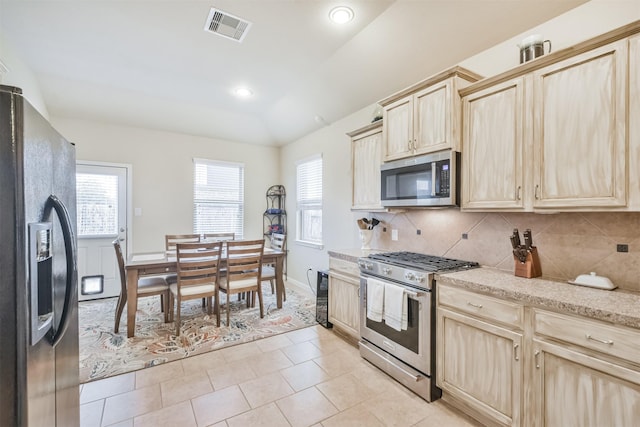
<point x="365" y="265"/>
<point x="386" y="270"/>
<point x="419" y="278"/>
<point x="409" y="275"/>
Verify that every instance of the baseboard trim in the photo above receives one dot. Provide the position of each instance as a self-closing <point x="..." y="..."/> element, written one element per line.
<point x="300" y="287"/>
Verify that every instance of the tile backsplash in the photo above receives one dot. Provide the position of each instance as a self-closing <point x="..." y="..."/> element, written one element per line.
<point x="569" y="244"/>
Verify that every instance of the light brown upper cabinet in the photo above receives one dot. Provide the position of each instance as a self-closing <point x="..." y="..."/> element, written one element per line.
<point x="492" y="155"/>
<point x="554" y="134"/>
<point x="634" y="123"/>
<point x="425" y="117"/>
<point x="366" y="158"/>
<point x="579" y="130"/>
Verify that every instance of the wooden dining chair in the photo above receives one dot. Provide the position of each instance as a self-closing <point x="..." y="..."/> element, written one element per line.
<point x="170" y="242"/>
<point x="244" y="261"/>
<point x="221" y="237"/>
<point x="147" y="286"/>
<point x="278" y="242"/>
<point x="197" y="276"/>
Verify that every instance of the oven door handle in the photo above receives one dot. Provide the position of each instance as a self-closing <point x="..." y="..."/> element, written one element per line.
<point x="413" y="295"/>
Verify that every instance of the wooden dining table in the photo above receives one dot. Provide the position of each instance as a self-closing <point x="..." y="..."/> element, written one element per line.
<point x="149" y="264"/>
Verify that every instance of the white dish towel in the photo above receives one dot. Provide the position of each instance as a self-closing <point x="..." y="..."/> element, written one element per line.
<point x="395" y="307"/>
<point x="375" y="299"/>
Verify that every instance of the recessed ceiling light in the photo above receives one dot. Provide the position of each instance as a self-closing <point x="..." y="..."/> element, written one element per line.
<point x="341" y="14"/>
<point x="242" y="92"/>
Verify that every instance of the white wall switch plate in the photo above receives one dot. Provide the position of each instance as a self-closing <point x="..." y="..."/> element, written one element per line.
<point x="394" y="234"/>
<point x="137" y="211"/>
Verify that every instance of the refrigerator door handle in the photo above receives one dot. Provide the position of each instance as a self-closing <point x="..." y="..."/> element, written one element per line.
<point x="56" y="204"/>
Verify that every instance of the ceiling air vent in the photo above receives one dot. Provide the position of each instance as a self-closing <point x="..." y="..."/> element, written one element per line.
<point x="227" y="25"/>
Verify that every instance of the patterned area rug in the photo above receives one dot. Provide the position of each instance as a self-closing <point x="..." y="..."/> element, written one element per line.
<point x="104" y="353"/>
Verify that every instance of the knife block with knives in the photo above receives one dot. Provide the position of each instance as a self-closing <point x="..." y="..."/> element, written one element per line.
<point x="527" y="262"/>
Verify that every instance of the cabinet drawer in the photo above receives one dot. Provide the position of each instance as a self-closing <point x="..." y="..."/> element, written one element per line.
<point x="481" y="305"/>
<point x="345" y="267"/>
<point x="609" y="339"/>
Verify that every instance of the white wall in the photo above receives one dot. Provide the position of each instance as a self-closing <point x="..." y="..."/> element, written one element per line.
<point x="582" y="23"/>
<point x="339" y="227"/>
<point x="337" y="219"/>
<point x="19" y="75"/>
<point x="162" y="164"/>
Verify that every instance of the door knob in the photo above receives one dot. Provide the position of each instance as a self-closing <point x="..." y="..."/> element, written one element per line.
<point x="122" y="229"/>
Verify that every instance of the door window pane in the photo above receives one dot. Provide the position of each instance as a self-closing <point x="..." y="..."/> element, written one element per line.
<point x="97" y="197"/>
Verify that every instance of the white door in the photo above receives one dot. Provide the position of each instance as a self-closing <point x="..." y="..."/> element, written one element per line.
<point x="102" y="218"/>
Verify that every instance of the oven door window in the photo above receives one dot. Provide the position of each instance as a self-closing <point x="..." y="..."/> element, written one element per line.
<point x="408" y="339"/>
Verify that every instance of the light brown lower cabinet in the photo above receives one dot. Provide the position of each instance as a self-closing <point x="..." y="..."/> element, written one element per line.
<point x="576" y="389"/>
<point x="480" y="364"/>
<point x="551" y="369"/>
<point x="344" y="301"/>
<point x="584" y="372"/>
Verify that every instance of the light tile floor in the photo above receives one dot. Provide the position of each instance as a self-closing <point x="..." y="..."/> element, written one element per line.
<point x="307" y="377"/>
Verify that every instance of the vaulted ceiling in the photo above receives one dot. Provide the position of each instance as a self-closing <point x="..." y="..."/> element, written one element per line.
<point x="151" y="64"/>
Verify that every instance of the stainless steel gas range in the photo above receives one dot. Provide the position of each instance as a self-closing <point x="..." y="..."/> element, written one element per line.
<point x="408" y="354"/>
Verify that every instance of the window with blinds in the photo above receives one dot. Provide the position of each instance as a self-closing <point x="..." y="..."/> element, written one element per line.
<point x="309" y="200"/>
<point x="218" y="197"/>
<point x="97" y="205"/>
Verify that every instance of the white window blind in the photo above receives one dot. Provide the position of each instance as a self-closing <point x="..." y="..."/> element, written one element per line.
<point x="97" y="204"/>
<point x="218" y="197"/>
<point x="309" y="200"/>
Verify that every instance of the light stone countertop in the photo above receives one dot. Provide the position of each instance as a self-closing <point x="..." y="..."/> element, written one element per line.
<point x="618" y="307"/>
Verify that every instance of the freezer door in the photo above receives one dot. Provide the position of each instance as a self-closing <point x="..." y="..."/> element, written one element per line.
<point x="13" y="347"/>
<point x="48" y="195"/>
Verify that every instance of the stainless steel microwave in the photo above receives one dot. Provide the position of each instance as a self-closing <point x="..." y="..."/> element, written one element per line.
<point x="428" y="180"/>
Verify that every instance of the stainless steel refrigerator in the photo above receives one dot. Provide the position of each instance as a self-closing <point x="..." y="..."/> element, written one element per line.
<point x="38" y="272"/>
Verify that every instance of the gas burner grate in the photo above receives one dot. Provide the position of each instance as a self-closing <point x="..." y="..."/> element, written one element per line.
<point x="423" y="262"/>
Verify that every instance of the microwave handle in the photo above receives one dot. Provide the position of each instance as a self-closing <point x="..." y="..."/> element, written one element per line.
<point x="433" y="179"/>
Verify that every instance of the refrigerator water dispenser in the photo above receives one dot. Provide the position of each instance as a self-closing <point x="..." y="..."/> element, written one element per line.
<point x="40" y="280"/>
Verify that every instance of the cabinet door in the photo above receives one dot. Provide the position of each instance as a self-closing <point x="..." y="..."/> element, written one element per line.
<point x="492" y="147"/>
<point x="480" y="364"/>
<point x="580" y="130"/>
<point x="432" y="118"/>
<point x="367" y="157"/>
<point x="398" y="129"/>
<point x="344" y="305"/>
<point x="634" y="123"/>
<point x="574" y="389"/>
